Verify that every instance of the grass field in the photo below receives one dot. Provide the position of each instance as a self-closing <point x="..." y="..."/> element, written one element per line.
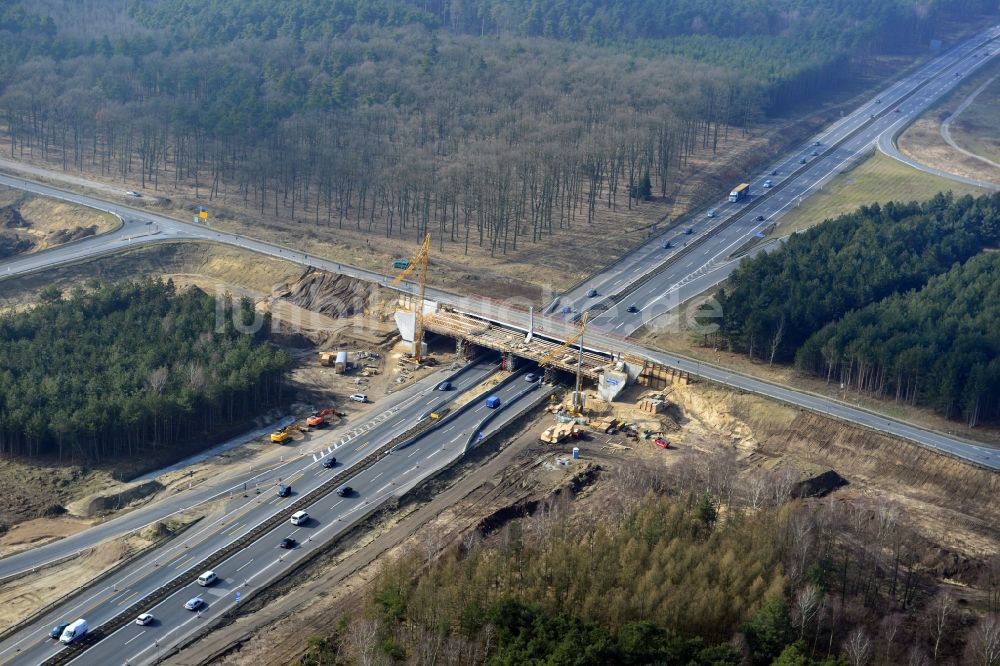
<point x="877" y="179"/>
<point x="978" y="128"/>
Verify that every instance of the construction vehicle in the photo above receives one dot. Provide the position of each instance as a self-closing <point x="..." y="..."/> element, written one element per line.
<point x="318" y="419"/>
<point x="439" y="413"/>
<point x="420" y="260"/>
<point x="281" y="436"/>
<point x="662" y="443"/>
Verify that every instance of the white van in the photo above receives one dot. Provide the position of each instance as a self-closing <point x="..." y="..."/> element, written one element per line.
<point x="300" y="518"/>
<point x="207" y="578"/>
<point x="73" y="631"/>
<point x="359" y="397"/>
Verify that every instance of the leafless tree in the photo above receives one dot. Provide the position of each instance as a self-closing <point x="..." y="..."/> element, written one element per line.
<point x="858" y="647"/>
<point x="362" y="634"/>
<point x="983" y="642"/>
<point x="889" y="627"/>
<point x="939" y="617"/>
<point x="918" y="657"/>
<point x="157" y="381"/>
<point x="807" y="603"/>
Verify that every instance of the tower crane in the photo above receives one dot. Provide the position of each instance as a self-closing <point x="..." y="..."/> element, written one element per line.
<point x="420" y="261"/>
<point x="579" y="365"/>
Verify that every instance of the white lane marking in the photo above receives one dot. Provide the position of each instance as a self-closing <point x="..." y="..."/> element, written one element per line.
<point x="245" y="565"/>
<point x="135" y="637"/>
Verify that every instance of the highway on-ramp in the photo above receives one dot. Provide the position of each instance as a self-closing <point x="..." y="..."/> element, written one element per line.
<point x="656" y="279"/>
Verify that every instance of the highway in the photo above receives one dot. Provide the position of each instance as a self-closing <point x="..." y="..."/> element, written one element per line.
<point x="393" y="475"/>
<point x="656" y="280"/>
<point x="394" y="411"/>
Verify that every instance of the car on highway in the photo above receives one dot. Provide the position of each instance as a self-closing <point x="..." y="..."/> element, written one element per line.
<point x="300" y="518"/>
<point x="632" y="308"/>
<point x="194" y="603"/>
<point x="591" y="292"/>
<point x="774" y="172"/>
<point x="802" y="161"/>
<point x="144" y="619"/>
<point x="897" y="110"/>
<point x="878" y="101"/>
<point x="329" y="462"/>
<point x="566" y="309"/>
<point x="288" y="543"/>
<point x="689" y="231"/>
<point x="768" y="183"/>
<point x="344" y="491"/>
<point x="207" y="578"/>
<point x="817" y="143"/>
<point x="759" y="218"/>
<point x="531" y="377"/>
<point x="444" y="386"/>
<point x="284" y="491"/>
<point x="667" y="245"/>
<point x="57" y="630"/>
<point x="130" y="193"/>
<point x="493" y="402"/>
<point x="711" y="213"/>
<point x="814" y="153"/>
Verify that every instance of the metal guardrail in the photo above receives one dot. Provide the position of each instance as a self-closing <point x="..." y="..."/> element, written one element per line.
<point x="616" y="298"/>
<point x="77" y="648"/>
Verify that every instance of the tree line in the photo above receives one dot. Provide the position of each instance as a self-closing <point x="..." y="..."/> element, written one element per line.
<point x="129" y="367"/>
<point x="776" y="305"/>
<point x="699" y="565"/>
<point x="471" y="119"/>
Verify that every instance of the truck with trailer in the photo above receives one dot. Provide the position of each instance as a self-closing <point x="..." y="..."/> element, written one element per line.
<point x="740" y="192"/>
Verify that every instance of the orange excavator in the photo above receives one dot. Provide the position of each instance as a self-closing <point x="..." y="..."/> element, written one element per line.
<point x="318" y="419"/>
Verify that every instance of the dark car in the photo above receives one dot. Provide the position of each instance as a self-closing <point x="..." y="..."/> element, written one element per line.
<point x="814" y="153"/>
<point x="57" y="630"/>
<point x="288" y="543"/>
<point x="817" y="143"/>
<point x="632" y="308"/>
<point x="566" y="309"/>
<point x="667" y="245"/>
<point x="284" y="491"/>
<point x="444" y="386"/>
<point x="591" y="293"/>
<point x="802" y="161"/>
<point x="898" y="111"/>
<point x="774" y="172"/>
<point x="759" y="218"/>
<point x="878" y="101"/>
<point x="344" y="491"/>
<point x="329" y="462"/>
<point x="689" y="231"/>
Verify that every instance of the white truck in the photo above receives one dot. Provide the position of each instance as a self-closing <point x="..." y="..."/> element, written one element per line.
<point x="73" y="632"/>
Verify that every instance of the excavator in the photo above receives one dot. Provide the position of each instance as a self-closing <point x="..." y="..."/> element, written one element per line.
<point x="281" y="436"/>
<point x="318" y="419"/>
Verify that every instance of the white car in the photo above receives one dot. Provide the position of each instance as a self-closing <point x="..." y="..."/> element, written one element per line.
<point x="133" y="194"/>
<point x="144" y="619"/>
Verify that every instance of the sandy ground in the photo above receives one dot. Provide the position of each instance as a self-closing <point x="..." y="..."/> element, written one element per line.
<point x="975" y="130"/>
<point x="46" y="216"/>
<point x="276" y="628"/>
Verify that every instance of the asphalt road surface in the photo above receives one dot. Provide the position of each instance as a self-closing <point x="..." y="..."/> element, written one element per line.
<point x="393" y="475"/>
<point x="400" y="411"/>
<point x="701" y="249"/>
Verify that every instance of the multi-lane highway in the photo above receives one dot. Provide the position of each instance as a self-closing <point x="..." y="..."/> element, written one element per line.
<point x="262" y="560"/>
<point x="701" y="248"/>
<point x="395" y="411"/>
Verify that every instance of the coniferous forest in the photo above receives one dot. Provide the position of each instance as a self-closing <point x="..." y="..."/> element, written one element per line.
<point x="493" y="124"/>
<point x="130" y="367"/>
<point x="893" y="300"/>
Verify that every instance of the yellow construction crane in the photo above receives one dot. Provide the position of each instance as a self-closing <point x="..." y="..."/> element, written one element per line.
<point x="579" y="365"/>
<point x="420" y="260"/>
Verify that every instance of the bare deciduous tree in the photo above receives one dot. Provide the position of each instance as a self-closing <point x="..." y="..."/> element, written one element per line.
<point x="939" y="616"/>
<point x="362" y="636"/>
<point x="858" y="647"/>
<point x="807" y="602"/>
<point x="983" y="642"/>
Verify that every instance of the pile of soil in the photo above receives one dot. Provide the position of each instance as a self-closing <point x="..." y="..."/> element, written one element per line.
<point x="330" y="294"/>
<point x="61" y="236"/>
<point x="11" y="218"/>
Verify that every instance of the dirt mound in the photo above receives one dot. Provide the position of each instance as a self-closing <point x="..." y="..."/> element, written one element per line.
<point x="819" y="485"/>
<point x="105" y="502"/>
<point x="60" y="236"/>
<point x="11" y="218"/>
<point x="333" y="295"/>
